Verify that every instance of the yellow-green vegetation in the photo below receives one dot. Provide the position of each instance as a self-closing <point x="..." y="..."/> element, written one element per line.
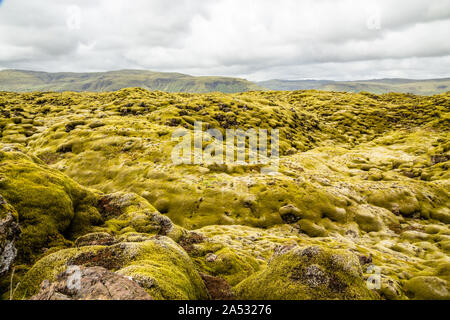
<point x="360" y="173"/>
<point x="157" y="264"/>
<point x="49" y="204"/>
<point x="308" y="273"/>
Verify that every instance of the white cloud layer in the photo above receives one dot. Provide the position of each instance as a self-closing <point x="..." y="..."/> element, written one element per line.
<point x="254" y="39"/>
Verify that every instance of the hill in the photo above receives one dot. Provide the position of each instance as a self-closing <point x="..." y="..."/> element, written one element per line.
<point x="378" y="86"/>
<point x="27" y="81"/>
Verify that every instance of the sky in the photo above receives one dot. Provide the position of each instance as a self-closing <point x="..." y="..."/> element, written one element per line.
<point x="252" y="39"/>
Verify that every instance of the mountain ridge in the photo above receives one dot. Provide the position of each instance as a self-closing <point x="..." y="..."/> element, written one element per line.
<point x="376" y="86"/>
<point x="18" y="80"/>
<point x="25" y="81"/>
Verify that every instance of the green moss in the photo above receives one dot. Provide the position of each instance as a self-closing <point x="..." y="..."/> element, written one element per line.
<point x="165" y="271"/>
<point x="128" y="212"/>
<point x="312" y="229"/>
<point x="399" y="200"/>
<point x="368" y="219"/>
<point x="6" y="208"/>
<point x="307" y="273"/>
<point x="424" y="288"/>
<point x="158" y="264"/>
<point x="47" y="269"/>
<point x="47" y="203"/>
<point x="367" y="173"/>
<point x="225" y="263"/>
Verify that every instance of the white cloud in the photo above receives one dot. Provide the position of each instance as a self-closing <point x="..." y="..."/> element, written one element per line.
<point x="256" y="39"/>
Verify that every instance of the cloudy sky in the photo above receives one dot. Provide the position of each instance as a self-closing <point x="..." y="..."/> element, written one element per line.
<point x="253" y="39"/>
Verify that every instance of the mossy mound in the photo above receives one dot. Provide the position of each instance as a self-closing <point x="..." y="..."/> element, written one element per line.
<point x="159" y="265"/>
<point x="429" y="288"/>
<point x="221" y="261"/>
<point x="307" y="273"/>
<point x="53" y="210"/>
<point x="384" y="255"/>
<point x="127" y="213"/>
<point x="49" y="204"/>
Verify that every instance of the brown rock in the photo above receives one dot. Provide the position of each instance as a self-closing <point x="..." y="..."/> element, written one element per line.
<point x="94" y="283"/>
<point x="188" y="241"/>
<point x="111" y="258"/>
<point x="95" y="239"/>
<point x="290" y="214"/>
<point x="218" y="288"/>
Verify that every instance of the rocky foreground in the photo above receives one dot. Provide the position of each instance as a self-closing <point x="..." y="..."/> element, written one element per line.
<point x="92" y="207"/>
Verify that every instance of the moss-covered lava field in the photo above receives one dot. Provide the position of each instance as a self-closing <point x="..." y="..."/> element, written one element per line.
<point x="359" y="208"/>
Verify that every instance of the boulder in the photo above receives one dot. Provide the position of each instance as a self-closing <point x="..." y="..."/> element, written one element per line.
<point x="218" y="288"/>
<point x="314" y="272"/>
<point x="159" y="265"/>
<point x="92" y="283"/>
<point x="9" y="233"/>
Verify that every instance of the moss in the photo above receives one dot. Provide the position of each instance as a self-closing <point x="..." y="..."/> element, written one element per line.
<point x="290" y="213"/>
<point x="162" y="205"/>
<point x="95" y="238"/>
<point x="312" y="229"/>
<point x="307" y="273"/>
<point x="6" y="209"/>
<point x="425" y="288"/>
<point x="401" y="200"/>
<point x="47" y="203"/>
<point x="128" y="212"/>
<point x="117" y="156"/>
<point x="366" y="173"/>
<point x="441" y="214"/>
<point x="225" y="263"/>
<point x="367" y="219"/>
<point x="158" y="264"/>
<point x="336" y="214"/>
<point x="165" y="271"/>
<point x="46" y="269"/>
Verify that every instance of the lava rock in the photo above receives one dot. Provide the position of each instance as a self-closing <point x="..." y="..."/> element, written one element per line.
<point x="93" y="283"/>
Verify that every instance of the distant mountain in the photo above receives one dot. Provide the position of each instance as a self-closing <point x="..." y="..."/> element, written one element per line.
<point x="379" y="86"/>
<point x="24" y="81"/>
<point x="291" y="85"/>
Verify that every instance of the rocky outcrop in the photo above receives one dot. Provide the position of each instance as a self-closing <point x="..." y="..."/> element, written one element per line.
<point x="313" y="272"/>
<point x="95" y="239"/>
<point x="93" y="283"/>
<point x="218" y="288"/>
<point x="157" y="264"/>
<point x="9" y="233"/>
<point x="130" y="211"/>
<point x="51" y="207"/>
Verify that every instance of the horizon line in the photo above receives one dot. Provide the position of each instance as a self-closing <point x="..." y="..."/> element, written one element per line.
<point x="222" y="76"/>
